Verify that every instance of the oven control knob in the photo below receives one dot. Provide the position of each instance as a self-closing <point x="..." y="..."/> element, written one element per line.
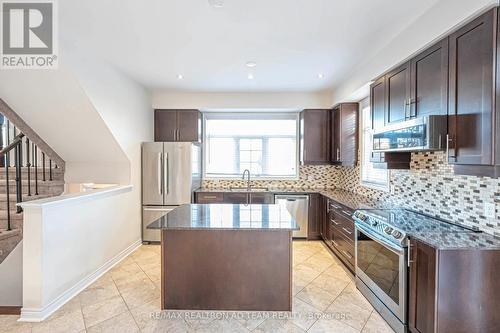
<point x="388" y="230"/>
<point x="373" y="223"/>
<point x="397" y="234"/>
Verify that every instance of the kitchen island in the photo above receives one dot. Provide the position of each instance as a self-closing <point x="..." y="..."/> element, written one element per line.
<point x="226" y="257"/>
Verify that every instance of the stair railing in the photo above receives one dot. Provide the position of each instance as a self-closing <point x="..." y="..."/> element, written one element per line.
<point x="16" y="146"/>
<point x="13" y="155"/>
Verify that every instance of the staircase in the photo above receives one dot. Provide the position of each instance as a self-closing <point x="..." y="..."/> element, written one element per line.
<point x="27" y="172"/>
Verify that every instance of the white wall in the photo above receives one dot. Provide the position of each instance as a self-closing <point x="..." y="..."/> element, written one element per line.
<point x="69" y="242"/>
<point x="125" y="108"/>
<point x="434" y="24"/>
<point x="11" y="277"/>
<point x="291" y="100"/>
<point x="55" y="106"/>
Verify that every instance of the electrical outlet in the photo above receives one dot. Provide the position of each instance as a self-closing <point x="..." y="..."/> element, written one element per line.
<point x="489" y="210"/>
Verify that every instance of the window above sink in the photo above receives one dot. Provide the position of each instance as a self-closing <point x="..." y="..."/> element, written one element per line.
<point x="264" y="143"/>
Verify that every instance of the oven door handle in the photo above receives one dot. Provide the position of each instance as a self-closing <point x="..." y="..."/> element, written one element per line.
<point x="374" y="236"/>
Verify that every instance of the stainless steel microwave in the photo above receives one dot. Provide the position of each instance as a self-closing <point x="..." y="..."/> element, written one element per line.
<point x="423" y="133"/>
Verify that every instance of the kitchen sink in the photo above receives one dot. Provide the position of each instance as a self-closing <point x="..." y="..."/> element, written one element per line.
<point x="251" y="189"/>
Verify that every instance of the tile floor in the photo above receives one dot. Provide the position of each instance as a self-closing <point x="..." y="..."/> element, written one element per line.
<point x="127" y="299"/>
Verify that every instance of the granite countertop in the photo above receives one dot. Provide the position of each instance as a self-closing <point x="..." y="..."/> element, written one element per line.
<point x="459" y="240"/>
<point x="226" y="217"/>
<point x="435" y="232"/>
<point x="349" y="199"/>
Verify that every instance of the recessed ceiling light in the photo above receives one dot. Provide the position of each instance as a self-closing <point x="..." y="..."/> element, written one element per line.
<point x="251" y="64"/>
<point x="320" y="75"/>
<point x="180" y="76"/>
<point x="250" y="76"/>
<point x="216" y="3"/>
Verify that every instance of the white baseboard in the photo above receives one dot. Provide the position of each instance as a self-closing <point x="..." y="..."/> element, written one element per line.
<point x="37" y="315"/>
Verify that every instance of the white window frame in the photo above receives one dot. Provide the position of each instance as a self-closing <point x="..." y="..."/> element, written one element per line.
<point x="270" y="114"/>
<point x="366" y="129"/>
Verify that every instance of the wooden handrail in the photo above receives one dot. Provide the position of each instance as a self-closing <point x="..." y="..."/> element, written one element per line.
<point x="17" y="139"/>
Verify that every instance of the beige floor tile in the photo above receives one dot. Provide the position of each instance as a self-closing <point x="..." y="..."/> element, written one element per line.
<point x="251" y="320"/>
<point x="304" y="273"/>
<point x="349" y="313"/>
<point x="317" y="297"/>
<point x="9" y="324"/>
<point x="150" y="318"/>
<point x="376" y="324"/>
<point x="340" y="272"/>
<point x="123" y="280"/>
<point x="298" y="284"/>
<point x="220" y="326"/>
<point x="317" y="264"/>
<point x="99" y="312"/>
<point x="61" y="322"/>
<point x="352" y="295"/>
<point x="139" y="293"/>
<point x="277" y="326"/>
<point x="123" y="323"/>
<point x="330" y="283"/>
<point x="304" y="315"/>
<point x="97" y="293"/>
<point x="331" y="326"/>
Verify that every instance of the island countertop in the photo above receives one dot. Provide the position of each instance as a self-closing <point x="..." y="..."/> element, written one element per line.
<point x="227" y="217"/>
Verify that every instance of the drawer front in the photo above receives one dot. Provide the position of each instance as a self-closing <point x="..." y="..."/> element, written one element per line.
<point x="209" y="197"/>
<point x="343" y="246"/>
<point x="346" y="226"/>
<point x="236" y="198"/>
<point x="262" y="198"/>
<point x="340" y="209"/>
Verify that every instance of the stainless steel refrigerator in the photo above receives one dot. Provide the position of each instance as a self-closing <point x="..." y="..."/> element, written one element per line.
<point x="171" y="171"/>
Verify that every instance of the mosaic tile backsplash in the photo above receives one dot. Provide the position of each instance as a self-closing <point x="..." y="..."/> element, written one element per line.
<point x="430" y="187"/>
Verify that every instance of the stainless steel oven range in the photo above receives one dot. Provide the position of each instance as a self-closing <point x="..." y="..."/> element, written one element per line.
<point x="381" y="266"/>
<point x="382" y="252"/>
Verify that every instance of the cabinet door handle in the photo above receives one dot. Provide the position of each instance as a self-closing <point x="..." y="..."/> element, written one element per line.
<point x="347" y="254"/>
<point x="346" y="230"/>
<point x="209" y="197"/>
<point x="409" y="254"/>
<point x="346" y="213"/>
<point x="334" y="222"/>
<point x="160" y="174"/>
<point x="335" y="243"/>
<point x="448" y="141"/>
<point x="338" y="154"/>
<point x="336" y="207"/>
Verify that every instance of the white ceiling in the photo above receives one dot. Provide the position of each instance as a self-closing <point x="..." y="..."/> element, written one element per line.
<point x="292" y="41"/>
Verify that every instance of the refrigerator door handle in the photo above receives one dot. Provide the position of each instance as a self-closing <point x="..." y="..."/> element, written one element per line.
<point x="160" y="173"/>
<point x="166" y="174"/>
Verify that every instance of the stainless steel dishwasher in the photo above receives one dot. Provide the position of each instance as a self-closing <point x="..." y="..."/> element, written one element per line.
<point x="297" y="205"/>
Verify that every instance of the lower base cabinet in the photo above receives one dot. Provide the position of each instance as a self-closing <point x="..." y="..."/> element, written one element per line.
<point x="453" y="291"/>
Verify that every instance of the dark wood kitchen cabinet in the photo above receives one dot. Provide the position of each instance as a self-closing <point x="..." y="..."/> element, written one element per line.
<point x="314" y="216"/>
<point x="377" y="103"/>
<point x="397" y="91"/>
<point x="344" y="134"/>
<point x="422" y="291"/>
<point x="315" y="136"/>
<point x="324" y="227"/>
<point x="453" y="290"/>
<point x="429" y="81"/>
<point x="177" y="125"/>
<point x="471" y="118"/>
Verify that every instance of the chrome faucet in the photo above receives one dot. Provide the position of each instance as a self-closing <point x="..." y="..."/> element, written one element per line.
<point x="248" y="181"/>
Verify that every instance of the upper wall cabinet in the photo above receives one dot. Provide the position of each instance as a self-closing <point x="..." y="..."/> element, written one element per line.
<point x="344" y="134"/>
<point x="177" y="125"/>
<point x="377" y="93"/>
<point x="471" y="97"/>
<point x="429" y="81"/>
<point x="397" y="91"/>
<point x="315" y="136"/>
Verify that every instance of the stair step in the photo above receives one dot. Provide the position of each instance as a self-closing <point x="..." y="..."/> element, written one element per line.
<point x="57" y="174"/>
